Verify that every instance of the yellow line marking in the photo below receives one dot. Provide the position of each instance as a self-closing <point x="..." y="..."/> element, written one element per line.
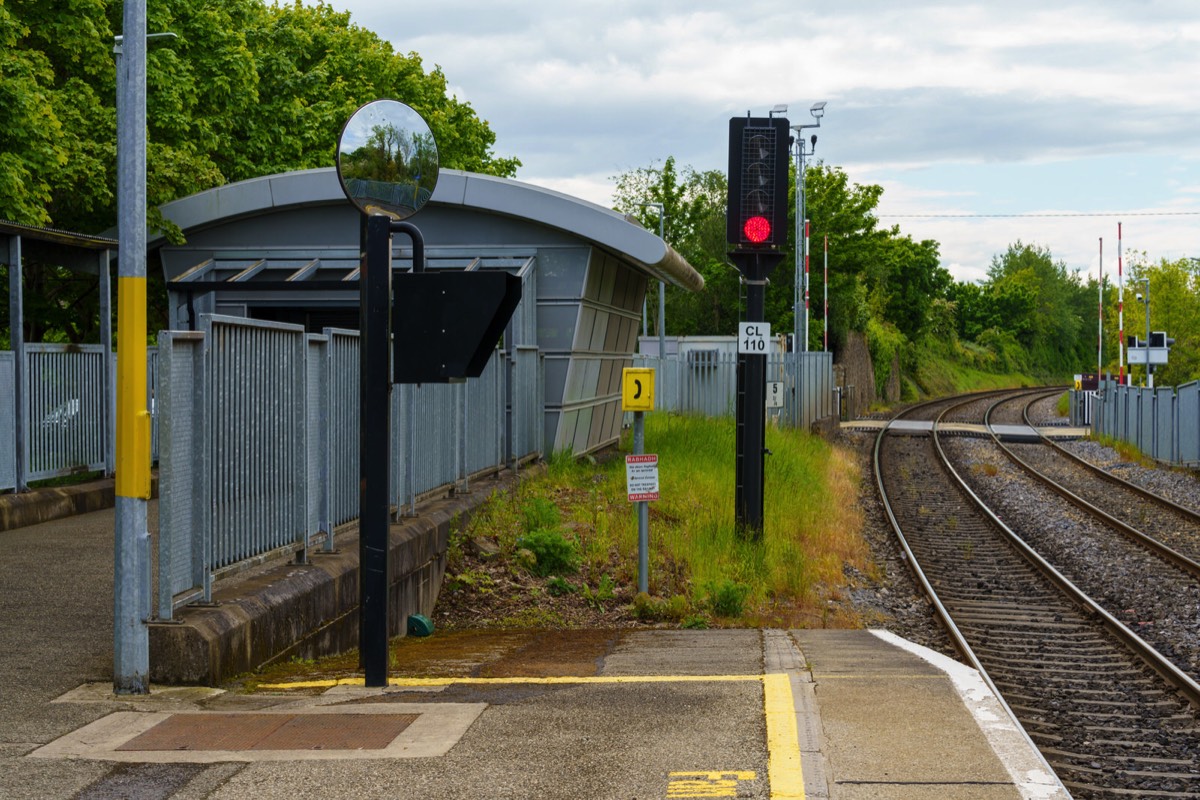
<point x="550" y="681"/>
<point x="783" y="742"/>
<point x="707" y="784"/>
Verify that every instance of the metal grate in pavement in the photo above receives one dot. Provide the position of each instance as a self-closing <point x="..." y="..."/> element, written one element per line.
<point x="243" y="732"/>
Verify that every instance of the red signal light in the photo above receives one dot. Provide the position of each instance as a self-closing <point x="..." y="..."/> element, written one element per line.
<point x="757" y="229"/>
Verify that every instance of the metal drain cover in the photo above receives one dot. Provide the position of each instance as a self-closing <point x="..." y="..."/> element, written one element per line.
<point x="272" y="732"/>
<point x="301" y="732"/>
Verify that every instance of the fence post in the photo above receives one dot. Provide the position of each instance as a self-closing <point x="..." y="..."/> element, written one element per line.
<point x="16" y="334"/>
<point x="325" y="487"/>
<point x="461" y="427"/>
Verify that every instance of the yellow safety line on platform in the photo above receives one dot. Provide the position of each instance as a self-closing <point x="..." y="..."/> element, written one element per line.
<point x="594" y="679"/>
<point x="783" y="741"/>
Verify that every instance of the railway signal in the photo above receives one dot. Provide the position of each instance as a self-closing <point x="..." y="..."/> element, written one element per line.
<point x="758" y="161"/>
<point x="756" y="226"/>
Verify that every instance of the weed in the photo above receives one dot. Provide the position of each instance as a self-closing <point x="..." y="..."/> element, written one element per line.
<point x="676" y="608"/>
<point x="1063" y="406"/>
<point x="695" y="622"/>
<point x="559" y="586"/>
<point x="555" y="553"/>
<point x="727" y="598"/>
<point x="540" y="514"/>
<point x="471" y="579"/>
<point x="602" y="594"/>
<point x="811" y="531"/>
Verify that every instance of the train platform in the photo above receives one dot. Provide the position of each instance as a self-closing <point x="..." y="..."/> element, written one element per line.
<point x="645" y="713"/>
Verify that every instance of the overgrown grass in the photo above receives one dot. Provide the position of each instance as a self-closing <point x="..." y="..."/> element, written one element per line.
<point x="939" y="376"/>
<point x="1125" y="450"/>
<point x="1063" y="406"/>
<point x="698" y="560"/>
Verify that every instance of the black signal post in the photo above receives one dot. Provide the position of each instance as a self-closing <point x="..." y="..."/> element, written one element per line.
<point x="756" y="225"/>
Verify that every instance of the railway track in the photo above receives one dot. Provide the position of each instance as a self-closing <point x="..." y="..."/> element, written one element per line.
<point x="1111" y="716"/>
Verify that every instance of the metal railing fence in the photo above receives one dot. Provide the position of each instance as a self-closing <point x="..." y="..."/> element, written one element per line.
<point x="260" y="441"/>
<point x="705" y="383"/>
<point x="8" y="421"/>
<point x="1163" y="422"/>
<point x="66" y="403"/>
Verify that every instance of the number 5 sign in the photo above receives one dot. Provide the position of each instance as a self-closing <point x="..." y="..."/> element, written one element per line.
<point x="753" y="337"/>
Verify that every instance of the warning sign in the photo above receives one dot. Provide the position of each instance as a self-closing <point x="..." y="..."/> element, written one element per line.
<point x="641" y="477"/>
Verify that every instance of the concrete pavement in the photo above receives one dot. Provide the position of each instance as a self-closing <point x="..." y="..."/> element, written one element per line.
<point x="644" y="714"/>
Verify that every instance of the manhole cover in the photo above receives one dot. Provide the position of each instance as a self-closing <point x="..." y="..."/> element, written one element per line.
<point x="271" y="732"/>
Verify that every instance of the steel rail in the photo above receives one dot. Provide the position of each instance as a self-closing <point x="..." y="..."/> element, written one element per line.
<point x="1139" y="646"/>
<point x="1164" y="551"/>
<point x="1108" y="476"/>
<point x="943" y="614"/>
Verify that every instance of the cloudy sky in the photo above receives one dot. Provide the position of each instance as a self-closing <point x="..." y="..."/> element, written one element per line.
<point x="1087" y="113"/>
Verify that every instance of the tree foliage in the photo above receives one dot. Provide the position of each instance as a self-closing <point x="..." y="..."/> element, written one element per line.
<point x="1174" y="309"/>
<point x="246" y="89"/>
<point x="1032" y="314"/>
<point x="873" y="271"/>
<point x="693" y="222"/>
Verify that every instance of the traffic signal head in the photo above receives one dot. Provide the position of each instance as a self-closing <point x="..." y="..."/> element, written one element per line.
<point x="1160" y="339"/>
<point x="756" y="214"/>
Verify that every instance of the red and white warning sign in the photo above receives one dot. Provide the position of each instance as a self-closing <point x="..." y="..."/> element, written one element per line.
<point x="641" y="477"/>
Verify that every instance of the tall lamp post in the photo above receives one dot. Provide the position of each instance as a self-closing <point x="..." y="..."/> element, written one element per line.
<point x="131" y="546"/>
<point x="801" y="285"/>
<point x="662" y="294"/>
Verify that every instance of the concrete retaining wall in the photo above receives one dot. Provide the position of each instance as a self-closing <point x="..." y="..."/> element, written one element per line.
<point x="309" y="610"/>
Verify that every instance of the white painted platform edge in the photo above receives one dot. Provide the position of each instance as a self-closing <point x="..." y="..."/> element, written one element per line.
<point x="1032" y="775"/>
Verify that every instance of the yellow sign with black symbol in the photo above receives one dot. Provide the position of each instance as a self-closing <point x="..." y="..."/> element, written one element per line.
<point x="637" y="389"/>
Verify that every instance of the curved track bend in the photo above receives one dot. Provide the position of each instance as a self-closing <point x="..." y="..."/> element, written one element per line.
<point x="1111" y="715"/>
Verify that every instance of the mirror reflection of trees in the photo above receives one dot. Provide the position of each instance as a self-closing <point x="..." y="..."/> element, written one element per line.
<point x="394" y="170"/>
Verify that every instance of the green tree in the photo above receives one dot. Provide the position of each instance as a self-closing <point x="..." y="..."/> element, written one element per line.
<point x="246" y="89"/>
<point x="1039" y="300"/>
<point x="693" y="207"/>
<point x="1174" y="309"/>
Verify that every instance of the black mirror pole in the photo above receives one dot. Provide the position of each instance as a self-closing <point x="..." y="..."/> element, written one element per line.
<point x="418" y="243"/>
<point x="375" y="296"/>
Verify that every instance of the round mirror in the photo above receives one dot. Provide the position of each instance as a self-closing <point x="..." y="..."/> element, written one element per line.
<point x="387" y="160"/>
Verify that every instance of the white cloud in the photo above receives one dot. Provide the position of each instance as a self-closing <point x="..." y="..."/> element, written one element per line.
<point x="919" y="92"/>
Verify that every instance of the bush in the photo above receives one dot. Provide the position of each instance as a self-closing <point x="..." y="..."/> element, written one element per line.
<point x="675" y="608"/>
<point x="540" y="514"/>
<point x="727" y="598"/>
<point x="559" y="586"/>
<point x="556" y="554"/>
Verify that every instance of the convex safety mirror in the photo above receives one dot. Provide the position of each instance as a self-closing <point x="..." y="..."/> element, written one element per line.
<point x="387" y="160"/>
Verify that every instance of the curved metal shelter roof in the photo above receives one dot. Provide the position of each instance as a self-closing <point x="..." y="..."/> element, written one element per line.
<point x="479" y="193"/>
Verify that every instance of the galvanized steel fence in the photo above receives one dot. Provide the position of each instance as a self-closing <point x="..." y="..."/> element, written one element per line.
<point x="1163" y="422"/>
<point x="65" y="400"/>
<point x="704" y="382"/>
<point x="8" y="421"/>
<point x="260" y="440"/>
